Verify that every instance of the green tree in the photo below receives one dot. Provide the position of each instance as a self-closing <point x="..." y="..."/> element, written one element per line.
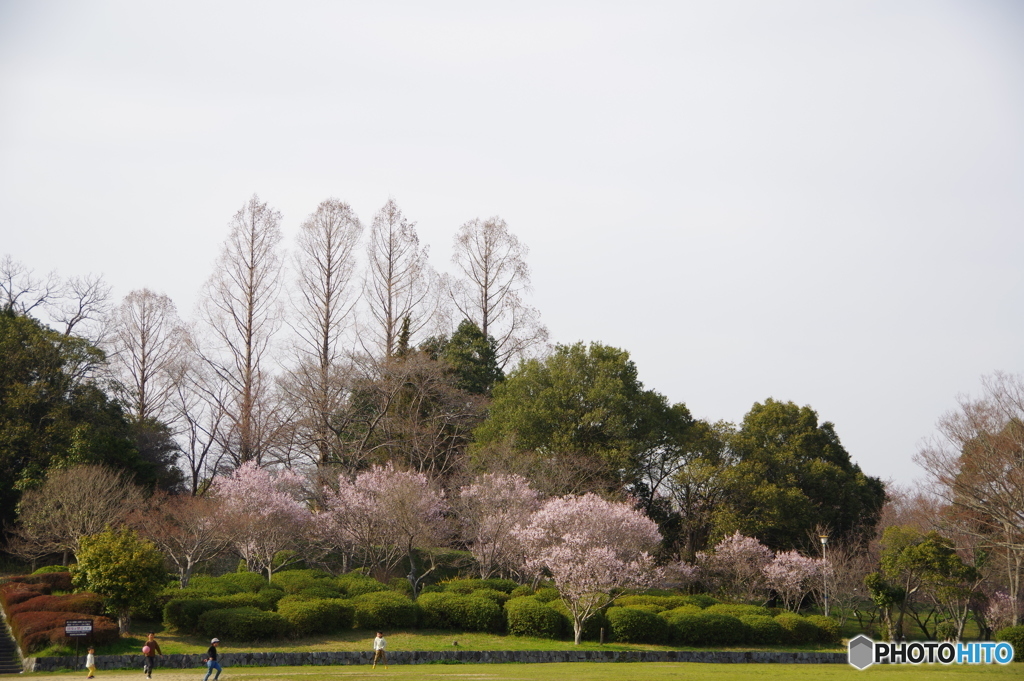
<point x="582" y="412"/>
<point x="52" y="415"/>
<point x="927" y="563"/>
<point x="473" y="359"/>
<point x="793" y="474"/>
<point x="127" y="571"/>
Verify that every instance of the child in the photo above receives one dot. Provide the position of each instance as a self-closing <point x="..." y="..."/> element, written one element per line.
<point x="380" y="645"/>
<point x="90" y="663"/>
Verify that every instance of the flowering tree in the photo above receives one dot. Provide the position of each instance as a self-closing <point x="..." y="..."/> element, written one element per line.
<point x="591" y="548"/>
<point x="263" y="514"/>
<point x="385" y="514"/>
<point x="791" y="576"/>
<point x="490" y="509"/>
<point x="735" y="567"/>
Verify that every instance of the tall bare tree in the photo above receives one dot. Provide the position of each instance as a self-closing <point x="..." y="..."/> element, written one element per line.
<point x="399" y="282"/>
<point x="199" y="401"/>
<point x="148" y="341"/>
<point x="23" y="291"/>
<point x="977" y="464"/>
<point x="242" y="313"/>
<point x="490" y="291"/>
<point x="324" y="263"/>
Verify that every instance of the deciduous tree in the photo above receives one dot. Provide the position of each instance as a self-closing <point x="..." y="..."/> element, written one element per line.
<point x="490" y="509"/>
<point x="494" y="281"/>
<point x="188" y="529"/>
<point x="592" y="549"/>
<point x="241" y="312"/>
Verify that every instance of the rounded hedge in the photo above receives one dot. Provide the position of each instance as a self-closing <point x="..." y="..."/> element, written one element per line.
<point x="546" y="594"/>
<point x="499" y="597"/>
<point x="763" y="630"/>
<point x="1015" y="637"/>
<point x="633" y="625"/>
<point x="47" y="569"/>
<point x="457" y="611"/>
<point x="649" y="601"/>
<point x="294" y="581"/>
<point x="828" y="628"/>
<point x="798" y="630"/>
<point x="527" y="616"/>
<point x="317" y="616"/>
<point x="243" y="624"/>
<point x="183" y="613"/>
<point x="381" y="610"/>
<point x="739" y="609"/>
<point x="356" y="584"/>
<point x="707" y="629"/>
<point x="521" y="590"/>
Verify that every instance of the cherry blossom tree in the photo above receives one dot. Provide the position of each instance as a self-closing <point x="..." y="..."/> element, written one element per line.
<point x="263" y="514"/>
<point x="385" y="515"/>
<point x="792" y="575"/>
<point x="491" y="508"/>
<point x="592" y="549"/>
<point x="736" y="567"/>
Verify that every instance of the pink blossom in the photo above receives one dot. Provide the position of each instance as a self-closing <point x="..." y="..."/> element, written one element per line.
<point x="263" y="513"/>
<point x="734" y="568"/>
<point x="591" y="548"/>
<point x="490" y="510"/>
<point x="791" y="576"/>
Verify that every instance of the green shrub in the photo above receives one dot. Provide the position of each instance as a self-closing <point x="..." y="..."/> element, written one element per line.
<point x="204" y="585"/>
<point x="701" y="600"/>
<point x="647" y="600"/>
<point x="591" y="627"/>
<point x="47" y="569"/>
<point x="798" y="629"/>
<point x="183" y="613"/>
<point x="1015" y="637"/>
<point x="317" y="616"/>
<point x="494" y="595"/>
<point x="546" y="594"/>
<point x="356" y="584"/>
<point x="243" y="581"/>
<point x="738" y="609"/>
<point x="681" y="610"/>
<point x="502" y="585"/>
<point x="264" y="600"/>
<point x="707" y="629"/>
<point x="632" y="625"/>
<point x="381" y="610"/>
<point x="763" y="630"/>
<point x="243" y="624"/>
<point x="464" y="613"/>
<point x="294" y="581"/>
<point x="527" y="616"/>
<point x="521" y="590"/>
<point x="269" y="596"/>
<point x="828" y="628"/>
<point x="326" y="590"/>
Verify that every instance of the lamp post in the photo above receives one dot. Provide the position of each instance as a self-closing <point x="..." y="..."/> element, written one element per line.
<point x="824" y="571"/>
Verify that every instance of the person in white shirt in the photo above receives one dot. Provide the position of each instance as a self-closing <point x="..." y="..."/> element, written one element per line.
<point x="90" y="663"/>
<point x="379" y="645"/>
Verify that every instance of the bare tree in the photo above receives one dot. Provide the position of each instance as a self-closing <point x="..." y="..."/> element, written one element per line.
<point x="83" y="308"/>
<point x="199" y="417"/>
<point x="188" y="529"/>
<point x="148" y="342"/>
<point x="977" y="465"/>
<point x="399" y="282"/>
<point x="23" y="291"/>
<point x="72" y="503"/>
<point x="324" y="264"/>
<point x="242" y="314"/>
<point x="490" y="292"/>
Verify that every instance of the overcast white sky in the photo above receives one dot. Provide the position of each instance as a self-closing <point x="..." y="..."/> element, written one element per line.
<point x="813" y="201"/>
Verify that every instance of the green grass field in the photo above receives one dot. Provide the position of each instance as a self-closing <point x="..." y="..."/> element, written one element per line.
<point x="582" y="671"/>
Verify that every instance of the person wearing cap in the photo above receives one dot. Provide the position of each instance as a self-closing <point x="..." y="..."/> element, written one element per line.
<point x="211" y="661"/>
<point x="379" y="646"/>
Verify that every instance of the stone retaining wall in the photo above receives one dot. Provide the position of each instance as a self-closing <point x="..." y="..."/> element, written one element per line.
<point x="49" y="664"/>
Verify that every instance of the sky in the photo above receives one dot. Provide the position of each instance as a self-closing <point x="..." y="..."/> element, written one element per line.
<point x="819" y="202"/>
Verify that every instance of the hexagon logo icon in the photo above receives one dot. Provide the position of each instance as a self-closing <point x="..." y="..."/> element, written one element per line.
<point x="860" y="652"/>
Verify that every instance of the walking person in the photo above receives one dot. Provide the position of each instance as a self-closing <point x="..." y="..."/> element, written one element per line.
<point x="379" y="646"/>
<point x="211" y="661"/>
<point x="90" y="662"/>
<point x="149" y="651"/>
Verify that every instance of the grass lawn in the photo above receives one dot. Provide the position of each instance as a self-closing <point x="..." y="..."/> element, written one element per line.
<point x="419" y="639"/>
<point x="583" y="671"/>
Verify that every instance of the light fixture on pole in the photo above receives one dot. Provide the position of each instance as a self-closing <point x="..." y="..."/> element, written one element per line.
<point x="824" y="571"/>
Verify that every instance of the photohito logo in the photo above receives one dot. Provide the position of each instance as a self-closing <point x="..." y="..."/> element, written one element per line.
<point x="862" y="652"/>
